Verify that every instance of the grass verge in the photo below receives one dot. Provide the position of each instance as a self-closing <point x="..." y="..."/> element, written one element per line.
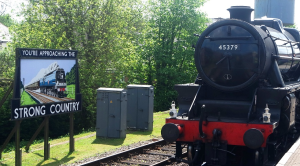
<point x="26" y="99"/>
<point x="84" y="148"/>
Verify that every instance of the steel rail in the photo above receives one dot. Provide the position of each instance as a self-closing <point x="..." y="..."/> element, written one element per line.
<point x="125" y="153"/>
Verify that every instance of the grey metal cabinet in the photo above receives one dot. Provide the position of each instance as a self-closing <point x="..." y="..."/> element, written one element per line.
<point x="140" y="107"/>
<point x="111" y="112"/>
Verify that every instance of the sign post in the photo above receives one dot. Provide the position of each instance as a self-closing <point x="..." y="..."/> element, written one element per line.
<point x="72" y="147"/>
<point x="18" y="151"/>
<point x="44" y="85"/>
<point x="46" y="139"/>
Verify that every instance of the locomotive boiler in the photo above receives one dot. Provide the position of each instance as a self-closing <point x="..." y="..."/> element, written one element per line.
<point x="54" y="83"/>
<point x="243" y="107"/>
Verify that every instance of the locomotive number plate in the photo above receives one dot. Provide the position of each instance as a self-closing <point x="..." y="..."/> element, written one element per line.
<point x="229" y="47"/>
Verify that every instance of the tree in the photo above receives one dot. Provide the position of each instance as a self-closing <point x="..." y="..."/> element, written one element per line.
<point x="168" y="56"/>
<point x="102" y="32"/>
<point x="6" y="20"/>
<point x="145" y="43"/>
<point x="292" y="26"/>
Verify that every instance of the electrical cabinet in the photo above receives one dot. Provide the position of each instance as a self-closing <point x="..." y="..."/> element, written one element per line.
<point x="140" y="107"/>
<point x="111" y="112"/>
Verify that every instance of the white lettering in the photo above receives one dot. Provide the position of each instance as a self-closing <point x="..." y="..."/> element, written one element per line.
<point x="31" y="108"/>
<point x="52" y="112"/>
<point x="74" y="106"/>
<point x="77" y="106"/>
<point x="17" y="115"/>
<point x="25" y="112"/>
<point x="21" y="109"/>
<point x="43" y="112"/>
<point x="62" y="107"/>
<point x="57" y="111"/>
<point x="72" y="54"/>
<point x="38" y="110"/>
<point x="30" y="52"/>
<point x="33" y="111"/>
<point x="67" y="107"/>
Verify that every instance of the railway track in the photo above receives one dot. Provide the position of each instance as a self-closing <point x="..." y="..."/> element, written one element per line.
<point x="157" y="153"/>
<point x="44" y="98"/>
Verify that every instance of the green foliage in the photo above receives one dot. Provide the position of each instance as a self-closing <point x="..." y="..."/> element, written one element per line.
<point x="168" y="56"/>
<point x="70" y="76"/>
<point x="102" y="32"/>
<point x="71" y="91"/>
<point x="6" y="20"/>
<point x="119" y="42"/>
<point x="6" y="76"/>
<point x="7" y="63"/>
<point x="292" y="26"/>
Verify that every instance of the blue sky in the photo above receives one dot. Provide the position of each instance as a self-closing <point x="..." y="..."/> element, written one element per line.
<point x="31" y="67"/>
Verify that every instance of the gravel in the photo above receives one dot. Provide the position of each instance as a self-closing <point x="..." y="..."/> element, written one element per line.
<point x="112" y="152"/>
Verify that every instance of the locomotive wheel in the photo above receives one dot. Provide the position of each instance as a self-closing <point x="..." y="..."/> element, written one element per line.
<point x="191" y="155"/>
<point x="258" y="158"/>
<point x="252" y="157"/>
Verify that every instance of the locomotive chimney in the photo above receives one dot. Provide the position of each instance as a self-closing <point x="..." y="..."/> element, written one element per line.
<point x="241" y="12"/>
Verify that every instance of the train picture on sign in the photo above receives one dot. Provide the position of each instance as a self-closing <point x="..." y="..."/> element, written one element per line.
<point x="47" y="81"/>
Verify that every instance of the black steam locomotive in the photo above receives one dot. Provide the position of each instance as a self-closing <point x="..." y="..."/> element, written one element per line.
<point x="243" y="107"/>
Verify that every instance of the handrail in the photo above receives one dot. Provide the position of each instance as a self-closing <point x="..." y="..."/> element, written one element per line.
<point x="229" y="38"/>
<point x="288" y="41"/>
<point x="285" y="57"/>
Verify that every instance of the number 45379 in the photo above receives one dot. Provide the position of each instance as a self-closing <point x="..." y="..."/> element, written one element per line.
<point x="229" y="47"/>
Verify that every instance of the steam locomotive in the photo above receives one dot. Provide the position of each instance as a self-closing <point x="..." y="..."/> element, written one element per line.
<point x="54" y="83"/>
<point x="243" y="107"/>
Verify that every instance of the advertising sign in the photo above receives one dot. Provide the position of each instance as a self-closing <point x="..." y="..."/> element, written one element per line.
<point x="46" y="83"/>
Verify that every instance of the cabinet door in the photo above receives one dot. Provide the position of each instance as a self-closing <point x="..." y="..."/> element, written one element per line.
<point x="102" y="114"/>
<point x="143" y="109"/>
<point x="114" y="115"/>
<point x="132" y="99"/>
<point x="151" y="98"/>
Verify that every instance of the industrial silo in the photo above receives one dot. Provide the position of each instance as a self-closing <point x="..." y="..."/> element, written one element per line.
<point x="282" y="9"/>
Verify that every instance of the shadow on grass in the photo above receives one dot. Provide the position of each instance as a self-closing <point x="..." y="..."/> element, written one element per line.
<point x="109" y="141"/>
<point x="119" y="141"/>
<point x="57" y="162"/>
<point x="139" y="132"/>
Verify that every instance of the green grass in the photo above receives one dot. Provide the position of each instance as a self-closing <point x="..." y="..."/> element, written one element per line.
<point x="70" y="89"/>
<point x="26" y="99"/>
<point x="84" y="148"/>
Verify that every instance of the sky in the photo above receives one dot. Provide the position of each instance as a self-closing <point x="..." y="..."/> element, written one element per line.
<point x="13" y="7"/>
<point x="31" y="67"/>
<point x="213" y="8"/>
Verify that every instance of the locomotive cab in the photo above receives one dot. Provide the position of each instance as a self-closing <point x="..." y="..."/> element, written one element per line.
<point x="242" y="109"/>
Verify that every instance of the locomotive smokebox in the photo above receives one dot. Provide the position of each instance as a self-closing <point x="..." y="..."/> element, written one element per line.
<point x="241" y="13"/>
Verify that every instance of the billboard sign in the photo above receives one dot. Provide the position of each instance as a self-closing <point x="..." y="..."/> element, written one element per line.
<point x="46" y="83"/>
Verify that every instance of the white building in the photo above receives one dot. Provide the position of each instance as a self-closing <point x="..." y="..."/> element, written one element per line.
<point x="4" y="35"/>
